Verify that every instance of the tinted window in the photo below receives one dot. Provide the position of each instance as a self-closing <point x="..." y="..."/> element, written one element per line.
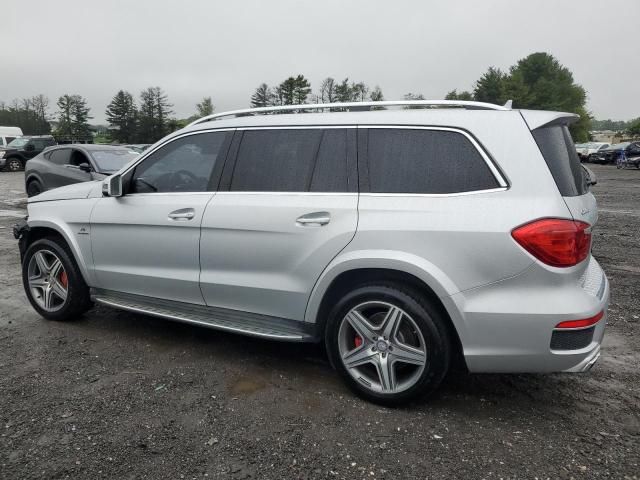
<point x="39" y="144"/>
<point x="425" y="161"/>
<point x="60" y="156"/>
<point x="9" y="139"/>
<point x="110" y="161"/>
<point x="183" y="165"/>
<point x="330" y="172"/>
<point x="276" y="160"/>
<point x="563" y="162"/>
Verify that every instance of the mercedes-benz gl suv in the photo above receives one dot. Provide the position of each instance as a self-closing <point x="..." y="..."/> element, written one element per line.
<point x="400" y="238"/>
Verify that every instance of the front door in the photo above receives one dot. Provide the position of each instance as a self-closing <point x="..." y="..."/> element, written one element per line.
<point x="147" y="241"/>
<point x="289" y="209"/>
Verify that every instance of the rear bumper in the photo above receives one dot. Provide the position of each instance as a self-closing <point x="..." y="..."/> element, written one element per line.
<point x="507" y="327"/>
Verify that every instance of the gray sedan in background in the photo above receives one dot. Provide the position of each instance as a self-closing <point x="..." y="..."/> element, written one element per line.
<point x="66" y="164"/>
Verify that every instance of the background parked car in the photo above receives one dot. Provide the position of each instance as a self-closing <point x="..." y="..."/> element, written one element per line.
<point x="14" y="156"/>
<point x="591" y="148"/>
<point x="68" y="164"/>
<point x="8" y="134"/>
<point x="612" y="153"/>
<point x="137" y="147"/>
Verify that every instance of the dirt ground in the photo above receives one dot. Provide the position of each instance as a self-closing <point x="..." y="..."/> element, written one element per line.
<point x="119" y="395"/>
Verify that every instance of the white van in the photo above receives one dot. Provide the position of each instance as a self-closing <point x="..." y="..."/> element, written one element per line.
<point x="7" y="134"/>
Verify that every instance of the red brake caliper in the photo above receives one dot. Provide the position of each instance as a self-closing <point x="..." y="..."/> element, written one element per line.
<point x="63" y="279"/>
<point x="357" y="341"/>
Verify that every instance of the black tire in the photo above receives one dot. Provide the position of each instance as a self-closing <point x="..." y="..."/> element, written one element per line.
<point x="33" y="188"/>
<point x="14" y="165"/>
<point x="78" y="298"/>
<point x="430" y="322"/>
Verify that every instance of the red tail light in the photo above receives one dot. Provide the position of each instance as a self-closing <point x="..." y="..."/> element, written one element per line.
<point x="585" y="322"/>
<point x="555" y="241"/>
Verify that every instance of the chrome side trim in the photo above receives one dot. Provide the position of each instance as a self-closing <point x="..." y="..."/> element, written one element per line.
<point x="233" y="321"/>
<point x="434" y="195"/>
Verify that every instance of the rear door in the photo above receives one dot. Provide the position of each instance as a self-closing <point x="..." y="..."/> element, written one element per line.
<point x="286" y="207"/>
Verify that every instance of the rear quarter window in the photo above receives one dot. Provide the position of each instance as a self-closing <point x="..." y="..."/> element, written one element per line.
<point x="556" y="145"/>
<point x="418" y="161"/>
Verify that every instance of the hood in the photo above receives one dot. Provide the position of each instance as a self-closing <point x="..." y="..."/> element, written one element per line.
<point x="69" y="192"/>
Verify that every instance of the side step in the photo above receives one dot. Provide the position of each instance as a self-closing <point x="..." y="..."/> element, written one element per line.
<point x="213" y="317"/>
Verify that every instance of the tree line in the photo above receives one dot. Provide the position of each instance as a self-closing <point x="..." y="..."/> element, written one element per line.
<point x="297" y="90"/>
<point x="537" y="81"/>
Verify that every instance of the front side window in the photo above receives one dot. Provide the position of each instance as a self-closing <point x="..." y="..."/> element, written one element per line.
<point x="38" y="144"/>
<point x="292" y="160"/>
<point x="110" y="161"/>
<point x="183" y="165"/>
<point x="418" y="161"/>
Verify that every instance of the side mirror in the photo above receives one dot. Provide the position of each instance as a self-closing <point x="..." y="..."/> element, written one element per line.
<point x="85" y="167"/>
<point x="112" y="186"/>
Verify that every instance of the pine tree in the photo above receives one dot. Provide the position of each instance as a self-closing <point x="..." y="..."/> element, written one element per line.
<point x="262" y="97"/>
<point x="490" y="87"/>
<point x="301" y="90"/>
<point x="153" y="117"/>
<point x="205" y="107"/>
<point x="121" y="114"/>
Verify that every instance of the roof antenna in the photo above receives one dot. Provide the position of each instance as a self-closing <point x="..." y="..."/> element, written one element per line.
<point x="508" y="104"/>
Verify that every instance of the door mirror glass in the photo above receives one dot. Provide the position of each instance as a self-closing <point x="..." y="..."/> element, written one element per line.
<point x="112" y="186"/>
<point x="85" y="167"/>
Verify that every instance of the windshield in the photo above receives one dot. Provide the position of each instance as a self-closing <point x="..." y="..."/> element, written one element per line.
<point x="18" y="142"/>
<point x="109" y="161"/>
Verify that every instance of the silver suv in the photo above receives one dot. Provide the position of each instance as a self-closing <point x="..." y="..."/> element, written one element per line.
<point x="401" y="238"/>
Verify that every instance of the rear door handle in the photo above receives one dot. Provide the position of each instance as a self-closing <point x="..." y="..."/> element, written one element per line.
<point x="183" y="214"/>
<point x="315" y="219"/>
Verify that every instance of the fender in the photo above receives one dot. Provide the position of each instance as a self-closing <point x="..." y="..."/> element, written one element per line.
<point x="419" y="267"/>
<point x="33" y="176"/>
<point x="65" y="231"/>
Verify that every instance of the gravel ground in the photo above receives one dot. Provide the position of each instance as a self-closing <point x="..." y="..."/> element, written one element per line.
<point x="119" y="395"/>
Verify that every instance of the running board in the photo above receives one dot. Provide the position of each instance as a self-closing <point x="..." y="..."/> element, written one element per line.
<point x="225" y="319"/>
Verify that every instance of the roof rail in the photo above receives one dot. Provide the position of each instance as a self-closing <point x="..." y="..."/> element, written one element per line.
<point x="355" y="106"/>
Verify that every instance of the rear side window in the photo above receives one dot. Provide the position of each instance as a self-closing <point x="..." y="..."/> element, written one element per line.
<point x="556" y="146"/>
<point x="425" y="161"/>
<point x="291" y="160"/>
<point x="60" y="157"/>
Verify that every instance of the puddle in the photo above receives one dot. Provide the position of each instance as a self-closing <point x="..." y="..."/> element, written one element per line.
<point x="246" y="386"/>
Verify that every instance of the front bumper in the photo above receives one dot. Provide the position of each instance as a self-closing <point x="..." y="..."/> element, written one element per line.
<point x="21" y="233"/>
<point x="3" y="162"/>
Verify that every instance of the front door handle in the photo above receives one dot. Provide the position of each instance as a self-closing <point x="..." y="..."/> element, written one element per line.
<point x="315" y="219"/>
<point x="183" y="214"/>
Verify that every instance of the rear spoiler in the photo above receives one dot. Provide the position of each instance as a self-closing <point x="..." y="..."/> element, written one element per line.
<point x="541" y="118"/>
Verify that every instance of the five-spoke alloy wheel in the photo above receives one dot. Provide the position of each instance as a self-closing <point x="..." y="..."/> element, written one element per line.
<point x="52" y="280"/>
<point x="48" y="280"/>
<point x="390" y="343"/>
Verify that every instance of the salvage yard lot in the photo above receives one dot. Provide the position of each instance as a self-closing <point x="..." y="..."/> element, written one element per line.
<point x="119" y="395"/>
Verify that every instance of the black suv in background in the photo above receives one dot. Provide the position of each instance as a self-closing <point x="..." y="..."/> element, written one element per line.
<point x="14" y="156"/>
<point x="612" y="154"/>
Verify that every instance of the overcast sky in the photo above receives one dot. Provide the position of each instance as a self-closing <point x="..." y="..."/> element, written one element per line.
<point x="226" y="48"/>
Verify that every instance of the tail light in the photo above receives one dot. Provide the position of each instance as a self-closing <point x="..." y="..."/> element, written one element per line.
<point x="555" y="241"/>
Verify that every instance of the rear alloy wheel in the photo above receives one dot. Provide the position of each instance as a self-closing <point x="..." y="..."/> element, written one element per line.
<point x="33" y="188"/>
<point x="52" y="281"/>
<point x="14" y="165"/>
<point x="389" y="344"/>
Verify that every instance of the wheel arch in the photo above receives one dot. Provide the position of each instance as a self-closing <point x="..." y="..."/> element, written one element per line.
<point x="42" y="229"/>
<point x="344" y="276"/>
<point x="33" y="176"/>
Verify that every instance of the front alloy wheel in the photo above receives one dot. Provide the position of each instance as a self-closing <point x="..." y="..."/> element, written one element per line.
<point x="48" y="281"/>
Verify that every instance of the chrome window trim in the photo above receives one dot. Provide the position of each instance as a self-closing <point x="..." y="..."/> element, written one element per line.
<point x="435" y="195"/>
<point x="489" y="162"/>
